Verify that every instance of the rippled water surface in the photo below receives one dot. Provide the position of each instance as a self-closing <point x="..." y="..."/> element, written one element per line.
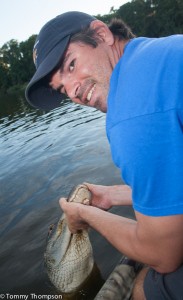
<point x="42" y="156"/>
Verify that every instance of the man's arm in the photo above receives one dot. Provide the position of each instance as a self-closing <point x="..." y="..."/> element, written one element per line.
<point x="156" y="241"/>
<point x="162" y="239"/>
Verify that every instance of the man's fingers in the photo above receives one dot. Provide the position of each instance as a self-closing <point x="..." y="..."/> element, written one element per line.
<point x="86" y="202"/>
<point x="63" y="203"/>
<point x="71" y="211"/>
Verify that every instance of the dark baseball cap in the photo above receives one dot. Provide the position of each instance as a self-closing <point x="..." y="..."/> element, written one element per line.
<point x="49" y="48"/>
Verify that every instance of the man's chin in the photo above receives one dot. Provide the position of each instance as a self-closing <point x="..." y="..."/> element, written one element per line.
<point x="100" y="106"/>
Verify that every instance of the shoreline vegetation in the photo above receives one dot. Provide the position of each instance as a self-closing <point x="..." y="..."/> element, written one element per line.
<point x="151" y="18"/>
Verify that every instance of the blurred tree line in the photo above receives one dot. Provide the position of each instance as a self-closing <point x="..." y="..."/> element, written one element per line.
<point x="151" y="18"/>
<point x="16" y="65"/>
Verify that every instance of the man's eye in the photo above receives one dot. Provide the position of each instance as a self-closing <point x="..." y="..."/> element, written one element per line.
<point x="71" y="66"/>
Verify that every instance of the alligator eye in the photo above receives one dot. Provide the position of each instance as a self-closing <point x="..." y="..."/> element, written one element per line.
<point x="51" y="226"/>
<point x="50" y="230"/>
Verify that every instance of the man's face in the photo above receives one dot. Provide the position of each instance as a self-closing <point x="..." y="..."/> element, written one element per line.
<point x="84" y="75"/>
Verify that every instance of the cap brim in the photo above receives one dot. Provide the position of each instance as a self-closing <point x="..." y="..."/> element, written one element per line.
<point x="44" y="97"/>
<point x="38" y="93"/>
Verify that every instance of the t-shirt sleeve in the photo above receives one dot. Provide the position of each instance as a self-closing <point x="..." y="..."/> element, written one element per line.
<point x="149" y="151"/>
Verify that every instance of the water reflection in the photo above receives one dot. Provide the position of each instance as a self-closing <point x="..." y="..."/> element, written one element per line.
<point x="42" y="156"/>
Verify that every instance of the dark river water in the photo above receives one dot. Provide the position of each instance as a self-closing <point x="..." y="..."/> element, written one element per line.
<point x="42" y="156"/>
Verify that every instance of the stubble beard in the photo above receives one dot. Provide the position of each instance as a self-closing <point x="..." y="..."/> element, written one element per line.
<point x="100" y="106"/>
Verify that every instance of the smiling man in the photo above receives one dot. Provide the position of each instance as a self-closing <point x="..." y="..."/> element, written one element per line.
<point x="84" y="81"/>
<point x="138" y="83"/>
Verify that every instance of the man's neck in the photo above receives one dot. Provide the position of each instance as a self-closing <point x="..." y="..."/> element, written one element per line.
<point x="118" y="49"/>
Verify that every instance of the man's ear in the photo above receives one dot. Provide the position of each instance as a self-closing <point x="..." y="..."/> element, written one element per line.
<point x="102" y="31"/>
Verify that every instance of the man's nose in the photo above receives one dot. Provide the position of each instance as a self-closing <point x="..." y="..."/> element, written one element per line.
<point x="72" y="88"/>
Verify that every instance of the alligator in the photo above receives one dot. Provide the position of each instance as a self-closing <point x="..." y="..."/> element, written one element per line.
<point x="69" y="257"/>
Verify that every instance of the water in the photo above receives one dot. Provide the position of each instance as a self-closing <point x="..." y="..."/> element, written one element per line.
<point x="42" y="156"/>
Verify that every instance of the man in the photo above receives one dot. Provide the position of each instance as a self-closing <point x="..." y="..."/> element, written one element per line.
<point x="138" y="83"/>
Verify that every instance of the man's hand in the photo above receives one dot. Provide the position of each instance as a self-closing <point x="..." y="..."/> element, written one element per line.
<point x="104" y="197"/>
<point x="72" y="212"/>
<point x="100" y="196"/>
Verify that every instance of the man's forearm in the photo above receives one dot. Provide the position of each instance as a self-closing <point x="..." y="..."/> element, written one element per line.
<point x="123" y="234"/>
<point x="119" y="231"/>
<point x="120" y="195"/>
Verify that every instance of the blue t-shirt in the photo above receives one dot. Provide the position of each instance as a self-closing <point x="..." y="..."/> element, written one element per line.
<point x="145" y="123"/>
